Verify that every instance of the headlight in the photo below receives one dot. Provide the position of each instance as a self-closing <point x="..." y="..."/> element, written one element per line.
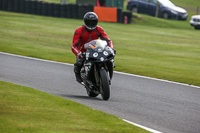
<point x="95" y="54"/>
<point x="105" y="53"/>
<point x="174" y="12"/>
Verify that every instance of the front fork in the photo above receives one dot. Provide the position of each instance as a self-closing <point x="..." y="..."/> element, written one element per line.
<point x="96" y="72"/>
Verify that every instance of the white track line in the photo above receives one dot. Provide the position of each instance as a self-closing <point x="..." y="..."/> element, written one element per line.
<point x="143" y="127"/>
<point x="32" y="58"/>
<point x="173" y="82"/>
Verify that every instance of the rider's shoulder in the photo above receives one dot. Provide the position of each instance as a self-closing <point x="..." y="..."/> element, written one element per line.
<point x="99" y="27"/>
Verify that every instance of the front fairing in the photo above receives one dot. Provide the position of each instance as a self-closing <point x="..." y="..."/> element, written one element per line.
<point x="98" y="51"/>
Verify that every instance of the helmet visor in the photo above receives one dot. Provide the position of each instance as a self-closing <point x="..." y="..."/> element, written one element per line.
<point x="91" y="24"/>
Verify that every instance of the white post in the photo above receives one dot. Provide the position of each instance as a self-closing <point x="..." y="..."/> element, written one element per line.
<point x="112" y="3"/>
<point x="157" y="9"/>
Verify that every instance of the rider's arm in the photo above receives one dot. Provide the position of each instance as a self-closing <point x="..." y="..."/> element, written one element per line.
<point x="104" y="36"/>
<point x="76" y="41"/>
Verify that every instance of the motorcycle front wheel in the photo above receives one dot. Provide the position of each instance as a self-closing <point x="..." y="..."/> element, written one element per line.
<point x="104" y="85"/>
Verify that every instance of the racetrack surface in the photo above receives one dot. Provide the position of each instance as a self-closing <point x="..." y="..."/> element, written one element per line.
<point x="163" y="106"/>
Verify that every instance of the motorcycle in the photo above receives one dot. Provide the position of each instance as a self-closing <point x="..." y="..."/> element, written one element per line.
<point x="97" y="69"/>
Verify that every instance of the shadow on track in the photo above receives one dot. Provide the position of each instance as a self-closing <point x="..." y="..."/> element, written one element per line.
<point x="80" y="97"/>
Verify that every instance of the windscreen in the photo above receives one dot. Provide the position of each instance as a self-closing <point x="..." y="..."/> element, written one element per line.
<point x="96" y="43"/>
<point x="166" y="3"/>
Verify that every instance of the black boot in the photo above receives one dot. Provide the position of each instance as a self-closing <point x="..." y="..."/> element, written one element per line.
<point x="78" y="78"/>
<point x="77" y="69"/>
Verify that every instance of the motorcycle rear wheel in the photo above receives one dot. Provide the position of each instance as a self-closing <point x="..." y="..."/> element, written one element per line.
<point x="104" y="85"/>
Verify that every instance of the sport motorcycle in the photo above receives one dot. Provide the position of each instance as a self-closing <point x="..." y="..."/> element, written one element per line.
<point x="97" y="69"/>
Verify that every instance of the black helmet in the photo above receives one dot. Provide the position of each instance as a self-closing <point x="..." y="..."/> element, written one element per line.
<point x="90" y="20"/>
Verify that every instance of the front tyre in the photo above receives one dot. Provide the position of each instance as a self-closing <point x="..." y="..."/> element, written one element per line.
<point x="104" y="85"/>
<point x="197" y="27"/>
<point x="165" y="15"/>
<point x="134" y="9"/>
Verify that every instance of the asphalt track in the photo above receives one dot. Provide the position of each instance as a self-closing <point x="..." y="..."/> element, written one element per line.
<point x="164" y="106"/>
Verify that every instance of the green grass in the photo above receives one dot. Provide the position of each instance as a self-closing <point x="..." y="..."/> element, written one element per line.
<point x="24" y="109"/>
<point x="58" y="1"/>
<point x="165" y="49"/>
<point x="187" y="3"/>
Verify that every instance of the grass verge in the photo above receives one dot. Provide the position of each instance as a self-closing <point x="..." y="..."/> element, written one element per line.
<point x="24" y="109"/>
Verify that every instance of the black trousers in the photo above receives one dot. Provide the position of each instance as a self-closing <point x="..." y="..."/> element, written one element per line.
<point x="78" y="65"/>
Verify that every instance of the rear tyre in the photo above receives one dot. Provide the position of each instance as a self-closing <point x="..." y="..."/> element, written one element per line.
<point x="104" y="85"/>
<point x="134" y="9"/>
<point x="197" y="27"/>
<point x="165" y="15"/>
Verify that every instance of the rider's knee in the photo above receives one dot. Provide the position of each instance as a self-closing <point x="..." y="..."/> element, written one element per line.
<point x="78" y="65"/>
<point x="77" y="68"/>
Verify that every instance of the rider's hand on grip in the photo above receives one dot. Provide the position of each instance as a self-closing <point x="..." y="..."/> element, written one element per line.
<point x="80" y="55"/>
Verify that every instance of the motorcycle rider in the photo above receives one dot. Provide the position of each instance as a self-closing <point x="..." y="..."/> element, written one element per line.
<point x="84" y="34"/>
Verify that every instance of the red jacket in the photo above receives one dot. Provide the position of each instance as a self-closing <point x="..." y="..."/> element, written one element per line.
<point x="82" y="36"/>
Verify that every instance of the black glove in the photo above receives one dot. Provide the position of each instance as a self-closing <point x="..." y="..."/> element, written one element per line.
<point x="79" y="55"/>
